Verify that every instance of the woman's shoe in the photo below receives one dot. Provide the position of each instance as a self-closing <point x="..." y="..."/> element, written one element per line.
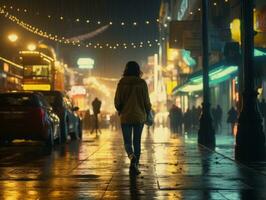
<point x="133" y="160"/>
<point x="136" y="168"/>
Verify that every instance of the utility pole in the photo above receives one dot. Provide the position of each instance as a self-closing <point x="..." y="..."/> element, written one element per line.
<point x="206" y="134"/>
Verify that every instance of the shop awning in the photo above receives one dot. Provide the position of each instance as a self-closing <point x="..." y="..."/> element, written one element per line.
<point x="218" y="73"/>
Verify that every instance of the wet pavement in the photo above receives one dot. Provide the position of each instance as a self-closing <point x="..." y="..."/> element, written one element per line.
<point x="173" y="167"/>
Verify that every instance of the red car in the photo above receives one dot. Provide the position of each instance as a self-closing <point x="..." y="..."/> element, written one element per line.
<point x="27" y="115"/>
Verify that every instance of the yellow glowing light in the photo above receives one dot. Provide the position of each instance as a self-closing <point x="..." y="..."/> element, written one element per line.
<point x="10" y="62"/>
<point x="31" y="47"/>
<point x="43" y="87"/>
<point x="235" y="30"/>
<point x="13" y="37"/>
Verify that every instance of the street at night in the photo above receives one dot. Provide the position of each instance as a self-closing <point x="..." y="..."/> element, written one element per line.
<point x="133" y="99"/>
<point x="172" y="166"/>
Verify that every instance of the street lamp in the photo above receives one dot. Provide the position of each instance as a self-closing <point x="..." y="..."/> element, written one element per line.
<point x="12" y="37"/>
<point x="250" y="139"/>
<point x="31" y="47"/>
<point x="206" y="134"/>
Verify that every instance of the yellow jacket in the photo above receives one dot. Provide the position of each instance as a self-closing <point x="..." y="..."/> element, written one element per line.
<point x="132" y="100"/>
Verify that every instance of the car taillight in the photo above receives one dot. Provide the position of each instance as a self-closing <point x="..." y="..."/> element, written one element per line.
<point x="41" y="113"/>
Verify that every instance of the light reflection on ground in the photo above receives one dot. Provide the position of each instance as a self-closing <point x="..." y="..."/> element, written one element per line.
<point x="172" y="165"/>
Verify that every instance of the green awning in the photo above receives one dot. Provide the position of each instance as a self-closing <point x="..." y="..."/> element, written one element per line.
<point x="218" y="73"/>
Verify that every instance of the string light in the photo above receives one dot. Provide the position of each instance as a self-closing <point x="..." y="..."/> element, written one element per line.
<point x="62" y="18"/>
<point x="64" y="40"/>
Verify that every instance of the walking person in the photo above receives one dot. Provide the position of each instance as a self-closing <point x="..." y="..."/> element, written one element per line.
<point x="219" y="115"/>
<point x="214" y="119"/>
<point x="232" y="118"/>
<point x="133" y="104"/>
<point x="262" y="108"/>
<point x="187" y="121"/>
<point x="96" y="106"/>
<point x="152" y="126"/>
<point x="173" y="115"/>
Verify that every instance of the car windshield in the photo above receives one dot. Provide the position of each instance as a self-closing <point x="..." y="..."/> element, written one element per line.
<point x="17" y="100"/>
<point x="52" y="99"/>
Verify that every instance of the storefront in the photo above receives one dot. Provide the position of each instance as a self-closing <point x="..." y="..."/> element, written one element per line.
<point x="10" y="75"/>
<point x="223" y="84"/>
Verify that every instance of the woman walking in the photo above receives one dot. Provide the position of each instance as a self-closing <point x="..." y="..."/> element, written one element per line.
<point x="232" y="118"/>
<point x="133" y="104"/>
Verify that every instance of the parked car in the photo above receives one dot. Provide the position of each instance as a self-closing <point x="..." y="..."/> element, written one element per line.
<point x="27" y="115"/>
<point x="70" y="122"/>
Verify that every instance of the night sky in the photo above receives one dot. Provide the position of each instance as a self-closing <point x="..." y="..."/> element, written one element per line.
<point x="108" y="62"/>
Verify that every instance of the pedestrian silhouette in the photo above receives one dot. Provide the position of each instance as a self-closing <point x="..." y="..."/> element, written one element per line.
<point x="232" y="118"/>
<point x="96" y="106"/>
<point x="214" y="118"/>
<point x="219" y="116"/>
<point x="153" y="124"/>
<point x="176" y="116"/>
<point x="262" y="108"/>
<point x="187" y="120"/>
<point x="133" y="105"/>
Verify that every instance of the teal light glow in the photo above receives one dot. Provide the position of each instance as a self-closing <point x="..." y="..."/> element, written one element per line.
<point x="188" y="59"/>
<point x="258" y="53"/>
<point x="216" y="76"/>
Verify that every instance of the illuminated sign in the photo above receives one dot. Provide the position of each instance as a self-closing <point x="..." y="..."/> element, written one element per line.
<point x="78" y="90"/>
<point x="85" y="63"/>
<point x="42" y="87"/>
<point x="183" y="9"/>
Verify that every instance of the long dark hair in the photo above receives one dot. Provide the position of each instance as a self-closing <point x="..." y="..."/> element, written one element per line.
<point x="132" y="69"/>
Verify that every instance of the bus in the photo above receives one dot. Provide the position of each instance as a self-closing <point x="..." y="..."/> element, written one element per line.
<point x="41" y="71"/>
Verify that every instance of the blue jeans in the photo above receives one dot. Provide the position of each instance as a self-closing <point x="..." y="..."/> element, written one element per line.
<point x="127" y="130"/>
